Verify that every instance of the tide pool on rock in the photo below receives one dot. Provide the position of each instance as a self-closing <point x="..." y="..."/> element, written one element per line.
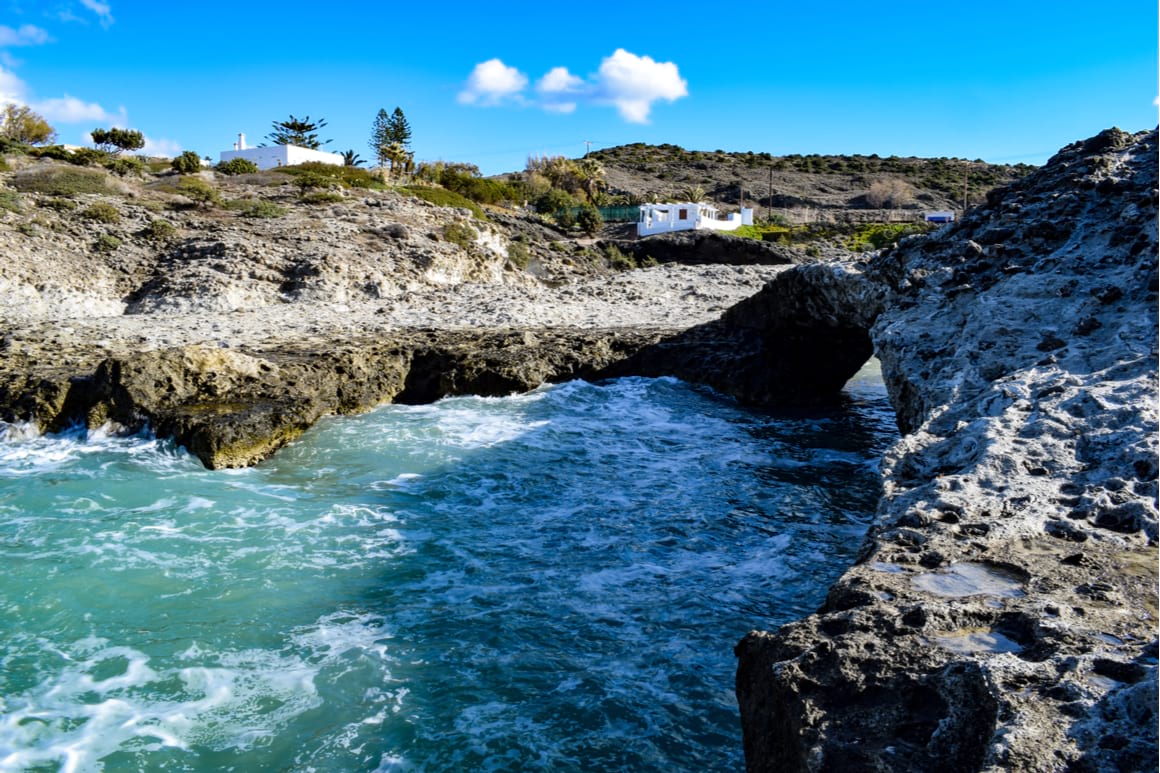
<point x="546" y="581"/>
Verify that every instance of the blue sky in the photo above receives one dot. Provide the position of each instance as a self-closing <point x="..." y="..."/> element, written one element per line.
<point x="492" y="83"/>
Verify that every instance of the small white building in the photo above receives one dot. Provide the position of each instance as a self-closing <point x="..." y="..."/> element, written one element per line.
<point x="279" y="155"/>
<point x="688" y="216"/>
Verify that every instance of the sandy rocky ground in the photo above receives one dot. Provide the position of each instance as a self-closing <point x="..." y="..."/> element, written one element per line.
<point x="374" y="262"/>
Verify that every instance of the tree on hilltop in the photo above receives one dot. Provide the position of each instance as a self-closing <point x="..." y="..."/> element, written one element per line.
<point x="390" y="139"/>
<point x="301" y="132"/>
<point x="117" y="140"/>
<point x="398" y="129"/>
<point x="18" y="123"/>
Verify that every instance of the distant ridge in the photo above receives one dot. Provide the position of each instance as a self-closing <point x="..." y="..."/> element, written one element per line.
<point x="827" y="182"/>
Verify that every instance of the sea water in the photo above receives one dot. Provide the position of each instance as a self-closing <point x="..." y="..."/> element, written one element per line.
<point x="549" y="581"/>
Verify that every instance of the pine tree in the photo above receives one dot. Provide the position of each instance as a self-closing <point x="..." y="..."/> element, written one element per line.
<point x="381" y="140"/>
<point x="300" y="132"/>
<point x="398" y="129"/>
<point x="117" y="140"/>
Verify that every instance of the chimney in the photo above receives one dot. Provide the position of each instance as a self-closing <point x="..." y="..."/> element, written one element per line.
<point x="241" y="141"/>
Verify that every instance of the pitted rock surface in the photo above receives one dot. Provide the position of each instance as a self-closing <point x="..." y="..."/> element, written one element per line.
<point x="1003" y="611"/>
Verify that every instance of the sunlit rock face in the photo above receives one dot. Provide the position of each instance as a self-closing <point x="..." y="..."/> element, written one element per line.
<point x="1002" y="615"/>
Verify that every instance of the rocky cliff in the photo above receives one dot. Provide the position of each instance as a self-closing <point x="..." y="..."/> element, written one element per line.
<point x="1003" y="612"/>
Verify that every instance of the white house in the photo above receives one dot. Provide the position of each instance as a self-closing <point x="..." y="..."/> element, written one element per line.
<point x="688" y="216"/>
<point x="278" y="155"/>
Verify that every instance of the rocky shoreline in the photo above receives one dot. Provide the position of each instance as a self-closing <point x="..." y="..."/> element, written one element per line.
<point x="1002" y="614"/>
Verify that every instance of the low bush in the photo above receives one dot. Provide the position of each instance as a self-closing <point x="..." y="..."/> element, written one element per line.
<point x="263" y="208"/>
<point x="62" y="181"/>
<point x="589" y="220"/>
<point x="58" y="204"/>
<point x="519" y="255"/>
<point x="349" y="176"/>
<point x="106" y="243"/>
<point x="55" y="152"/>
<point x="88" y="157"/>
<point x="444" y="198"/>
<point x="198" y="190"/>
<point x="10" y="200"/>
<point x="159" y="230"/>
<point x="123" y="167"/>
<point x="237" y="166"/>
<point x="102" y="212"/>
<point x="322" y="197"/>
<point x="460" y="234"/>
<point x="186" y="163"/>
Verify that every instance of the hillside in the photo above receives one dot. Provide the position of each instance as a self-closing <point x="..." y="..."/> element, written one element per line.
<point x="826" y="183"/>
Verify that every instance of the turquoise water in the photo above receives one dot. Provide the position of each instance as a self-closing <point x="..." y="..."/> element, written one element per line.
<point x="551" y="581"/>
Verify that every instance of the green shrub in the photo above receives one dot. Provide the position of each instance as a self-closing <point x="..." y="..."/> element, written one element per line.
<point x="187" y="163"/>
<point x="349" y="176"/>
<point x="308" y="181"/>
<point x="552" y="201"/>
<point x="57" y="204"/>
<point x="123" y="167"/>
<point x="88" y="157"/>
<point x="460" y="234"/>
<point x="322" y="197"/>
<point x="106" y="243"/>
<point x="55" y="152"/>
<point x="444" y="198"/>
<point x="589" y="220"/>
<point x="62" y="181"/>
<point x="10" y="200"/>
<point x="617" y="259"/>
<point x="198" y="190"/>
<point x="28" y="228"/>
<point x="4" y="165"/>
<point x="237" y="166"/>
<point x="518" y="254"/>
<point x="159" y="230"/>
<point x="102" y="212"/>
<point x="263" y="208"/>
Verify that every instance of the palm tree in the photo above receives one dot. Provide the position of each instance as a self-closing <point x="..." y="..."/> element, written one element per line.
<point x="350" y="158"/>
<point x="397" y="155"/>
<point x="591" y="177"/>
<point x="692" y="193"/>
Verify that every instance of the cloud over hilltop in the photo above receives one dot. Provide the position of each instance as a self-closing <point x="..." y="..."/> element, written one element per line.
<point x="628" y="82"/>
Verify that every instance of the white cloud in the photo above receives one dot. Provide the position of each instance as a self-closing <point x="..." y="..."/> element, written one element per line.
<point x="69" y="109"/>
<point x="160" y="147"/>
<point x="103" y="11"/>
<point x="629" y="82"/>
<point x="12" y="89"/>
<point x="25" y="35"/>
<point x="558" y="90"/>
<point x="491" y="83"/>
<point x="633" y="83"/>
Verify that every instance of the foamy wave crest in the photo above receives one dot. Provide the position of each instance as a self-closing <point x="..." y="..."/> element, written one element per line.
<point x="101" y="698"/>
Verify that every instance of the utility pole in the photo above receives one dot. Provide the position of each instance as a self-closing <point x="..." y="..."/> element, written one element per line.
<point x="587" y="147"/>
<point x="769" y="197"/>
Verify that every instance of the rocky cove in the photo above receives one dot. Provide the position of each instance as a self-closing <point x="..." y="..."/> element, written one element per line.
<point x="1002" y="613"/>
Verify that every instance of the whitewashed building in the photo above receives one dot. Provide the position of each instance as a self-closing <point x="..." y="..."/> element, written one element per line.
<point x="279" y="155"/>
<point x="688" y="216"/>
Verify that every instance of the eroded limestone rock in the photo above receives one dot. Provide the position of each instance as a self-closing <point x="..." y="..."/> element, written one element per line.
<point x="1003" y="611"/>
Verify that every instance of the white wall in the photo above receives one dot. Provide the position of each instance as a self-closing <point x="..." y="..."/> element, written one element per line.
<point x="281" y="155"/>
<point x="664" y="218"/>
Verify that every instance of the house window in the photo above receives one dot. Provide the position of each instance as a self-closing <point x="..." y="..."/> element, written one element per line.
<point x="683" y="214"/>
